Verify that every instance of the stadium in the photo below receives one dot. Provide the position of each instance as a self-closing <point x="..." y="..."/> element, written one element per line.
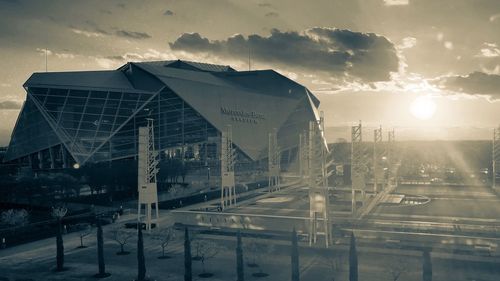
<point x="72" y="119"/>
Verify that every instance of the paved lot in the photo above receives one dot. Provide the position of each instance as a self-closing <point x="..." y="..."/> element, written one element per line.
<point x="36" y="260"/>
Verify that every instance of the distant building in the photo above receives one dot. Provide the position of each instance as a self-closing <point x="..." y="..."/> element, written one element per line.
<point x="93" y="116"/>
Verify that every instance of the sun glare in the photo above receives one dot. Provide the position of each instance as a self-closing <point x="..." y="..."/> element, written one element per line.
<point x="423" y="108"/>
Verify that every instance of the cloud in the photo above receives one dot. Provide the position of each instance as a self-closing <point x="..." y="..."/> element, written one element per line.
<point x="87" y="33"/>
<point x="396" y="2"/>
<point x="272" y="15"/>
<point x="494" y="17"/>
<point x="168" y="13"/>
<point x="44" y="52"/>
<point x="489" y="50"/>
<point x="476" y="83"/>
<point x="265" y="5"/>
<point x="132" y="34"/>
<point x="149" y="55"/>
<point x="10" y="105"/>
<point x="408" y="43"/>
<point x="344" y="54"/>
<point x="66" y="55"/>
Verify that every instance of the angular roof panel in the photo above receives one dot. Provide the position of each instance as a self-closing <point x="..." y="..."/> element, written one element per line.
<point x="112" y="79"/>
<point x="199" y="66"/>
<point x="252" y="115"/>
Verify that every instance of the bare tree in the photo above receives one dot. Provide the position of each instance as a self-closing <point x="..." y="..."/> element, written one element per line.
<point x="206" y="250"/>
<point x="193" y="236"/>
<point x="164" y="236"/>
<point x="397" y="269"/>
<point x="122" y="237"/>
<point x="336" y="264"/>
<point x="251" y="247"/>
<point x="15" y="217"/>
<point x="258" y="251"/>
<point x="84" y="230"/>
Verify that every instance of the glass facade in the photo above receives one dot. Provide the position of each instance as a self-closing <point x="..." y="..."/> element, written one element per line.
<point x="180" y="131"/>
<point x="32" y="134"/>
<point x="84" y="119"/>
<point x="98" y="126"/>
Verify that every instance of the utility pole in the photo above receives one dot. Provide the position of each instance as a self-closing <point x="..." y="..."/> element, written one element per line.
<point x="495" y="155"/>
<point x="274" y="159"/>
<point x="228" y="157"/>
<point x="377" y="139"/>
<point x="391" y="156"/>
<point x="358" y="167"/>
<point x="147" y="170"/>
<point x="319" y="202"/>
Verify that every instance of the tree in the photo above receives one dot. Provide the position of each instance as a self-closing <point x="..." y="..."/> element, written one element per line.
<point x="426" y="266"/>
<point x="164" y="237"/>
<point x="58" y="213"/>
<point x="188" y="274"/>
<point x="239" y="258"/>
<point x="121" y="236"/>
<point x="206" y="250"/>
<point x="258" y="252"/>
<point x="353" y="260"/>
<point x="183" y="170"/>
<point x="100" y="252"/>
<point x="295" y="257"/>
<point x="13" y="217"/>
<point x="335" y="263"/>
<point x="141" y="263"/>
<point x="397" y="269"/>
<point x="84" y="229"/>
<point x="252" y="247"/>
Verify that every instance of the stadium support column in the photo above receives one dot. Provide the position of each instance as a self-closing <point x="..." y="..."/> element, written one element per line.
<point x="274" y="158"/>
<point x="377" y="139"/>
<point x="147" y="170"/>
<point x="358" y="167"/>
<point x="319" y="204"/>
<point x="495" y="156"/>
<point x="228" y="157"/>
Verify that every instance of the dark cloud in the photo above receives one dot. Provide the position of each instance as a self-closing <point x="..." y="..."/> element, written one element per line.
<point x="341" y="53"/>
<point x="476" y="83"/>
<point x="121" y="5"/>
<point x="272" y="15"/>
<point x="96" y="28"/>
<point x="132" y="34"/>
<point x="10" y="105"/>
<point x="168" y="13"/>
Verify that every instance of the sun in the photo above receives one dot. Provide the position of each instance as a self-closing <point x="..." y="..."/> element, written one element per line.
<point x="423" y="108"/>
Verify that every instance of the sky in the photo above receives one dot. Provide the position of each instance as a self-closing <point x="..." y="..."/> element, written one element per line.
<point x="368" y="60"/>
